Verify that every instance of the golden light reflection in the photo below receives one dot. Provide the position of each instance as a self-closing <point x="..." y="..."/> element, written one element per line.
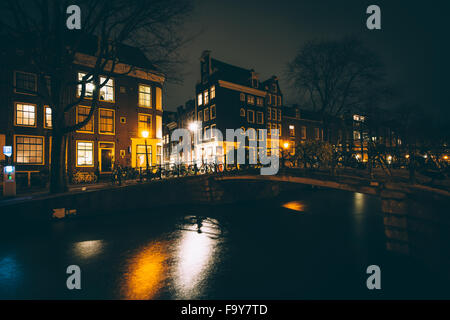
<point x="295" y="205"/>
<point x="359" y="200"/>
<point x="195" y="258"/>
<point x="88" y="249"/>
<point x="145" y="273"/>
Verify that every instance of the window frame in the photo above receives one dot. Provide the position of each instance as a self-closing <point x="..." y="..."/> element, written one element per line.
<point x="45" y="117"/>
<point x="15" y="114"/>
<point x="211" y="113"/>
<point x="262" y="117"/>
<point x="144" y="93"/>
<point x="113" y="121"/>
<point x="31" y="93"/>
<point x="244" y="113"/>
<point x="92" y="119"/>
<point x="253" y="116"/>
<point x="15" y="150"/>
<point x="150" y="116"/>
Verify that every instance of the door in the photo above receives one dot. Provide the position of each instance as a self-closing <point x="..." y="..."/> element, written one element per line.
<point x="106" y="160"/>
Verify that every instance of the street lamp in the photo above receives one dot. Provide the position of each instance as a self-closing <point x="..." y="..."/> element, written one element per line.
<point x="145" y="136"/>
<point x="286" y="145"/>
<point x="193" y="127"/>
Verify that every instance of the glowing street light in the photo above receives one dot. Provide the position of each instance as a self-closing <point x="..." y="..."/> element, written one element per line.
<point x="145" y="136"/>
<point x="286" y="145"/>
<point x="193" y="126"/>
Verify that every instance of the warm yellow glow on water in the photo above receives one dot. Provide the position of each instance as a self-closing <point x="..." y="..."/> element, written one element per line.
<point x="88" y="249"/>
<point x="295" y="205"/>
<point x="146" y="273"/>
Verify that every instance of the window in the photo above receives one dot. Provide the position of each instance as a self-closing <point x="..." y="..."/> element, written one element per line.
<point x="206" y="132"/>
<point x="274" y="87"/>
<point x="89" y="87"/>
<point x="25" y="82"/>
<point x="123" y="120"/>
<point x="206" y="97"/>
<point x="107" y="91"/>
<point x="29" y="150"/>
<point x="145" y="96"/>
<point x="144" y="123"/>
<point x="274" y="114"/>
<point x="291" y="130"/>
<point x="158" y="127"/>
<point x="242" y="112"/>
<point x="356" y="135"/>
<point x="274" y="100"/>
<point x="269" y="113"/>
<point x="259" y="101"/>
<point x="158" y="155"/>
<point x="25" y="115"/>
<point x="242" y="96"/>
<point x="259" y="117"/>
<point x="213" y="127"/>
<point x="206" y="115"/>
<point x="200" y="115"/>
<point x="47" y="117"/>
<point x="158" y="98"/>
<point x="82" y="114"/>
<point x="269" y="100"/>
<point x="279" y="114"/>
<point x="317" y="133"/>
<point x="279" y="100"/>
<point x="250" y="99"/>
<point x="85" y="154"/>
<point x="200" y="99"/>
<point x="106" y="121"/>
<point x="250" y="116"/>
<point x="213" y="92"/>
<point x="141" y="156"/>
<point x="213" y="111"/>
<point x="303" y="132"/>
<point x="279" y="129"/>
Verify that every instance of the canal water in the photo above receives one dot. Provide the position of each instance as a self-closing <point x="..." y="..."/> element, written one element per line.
<point x="309" y="244"/>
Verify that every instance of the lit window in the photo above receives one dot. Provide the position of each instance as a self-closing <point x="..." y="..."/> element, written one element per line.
<point x="48" y="117"/>
<point x="206" y="132"/>
<point x="145" y="96"/>
<point x="85" y="153"/>
<point x="291" y="130"/>
<point x="200" y="99"/>
<point x="356" y="135"/>
<point x="303" y="132"/>
<point x="144" y="123"/>
<point x="317" y="133"/>
<point x="106" y="121"/>
<point x="242" y="96"/>
<point x="89" y="87"/>
<point x="259" y="117"/>
<point x="213" y="92"/>
<point x="25" y="82"/>
<point x="206" y="97"/>
<point x="242" y="112"/>
<point x="25" y="115"/>
<point x="158" y="98"/>
<point x="206" y="115"/>
<point x="356" y="117"/>
<point x="250" y="116"/>
<point x="250" y="99"/>
<point x="259" y="101"/>
<point x="158" y="127"/>
<point x="274" y="114"/>
<point x="29" y="150"/>
<point x="141" y="156"/>
<point x="213" y="111"/>
<point x="107" y="91"/>
<point x="82" y="114"/>
<point x="269" y="100"/>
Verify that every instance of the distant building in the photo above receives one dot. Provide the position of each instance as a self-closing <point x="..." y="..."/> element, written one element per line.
<point x="231" y="97"/>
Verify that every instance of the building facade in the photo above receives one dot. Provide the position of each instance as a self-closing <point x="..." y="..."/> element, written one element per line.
<point x="130" y="108"/>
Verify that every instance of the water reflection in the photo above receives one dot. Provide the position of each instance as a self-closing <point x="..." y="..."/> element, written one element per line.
<point x="197" y="252"/>
<point x="145" y="272"/>
<point x="10" y="272"/>
<point x="299" y="206"/>
<point x="358" y="202"/>
<point x="88" y="249"/>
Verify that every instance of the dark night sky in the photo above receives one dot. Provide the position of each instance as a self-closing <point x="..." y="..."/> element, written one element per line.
<point x="265" y="35"/>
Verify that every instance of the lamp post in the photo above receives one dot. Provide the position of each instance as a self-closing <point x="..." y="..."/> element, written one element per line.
<point x="193" y="127"/>
<point x="145" y="136"/>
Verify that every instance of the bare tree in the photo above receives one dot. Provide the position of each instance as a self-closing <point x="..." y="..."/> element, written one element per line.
<point x="108" y="26"/>
<point x="335" y="77"/>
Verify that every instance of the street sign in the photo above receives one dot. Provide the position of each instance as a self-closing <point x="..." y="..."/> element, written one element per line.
<point x="7" y="151"/>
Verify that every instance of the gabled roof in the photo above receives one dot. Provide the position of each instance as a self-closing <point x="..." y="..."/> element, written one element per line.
<point x="228" y="72"/>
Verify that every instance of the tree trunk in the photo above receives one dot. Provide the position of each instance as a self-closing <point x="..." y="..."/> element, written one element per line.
<point x="58" y="177"/>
